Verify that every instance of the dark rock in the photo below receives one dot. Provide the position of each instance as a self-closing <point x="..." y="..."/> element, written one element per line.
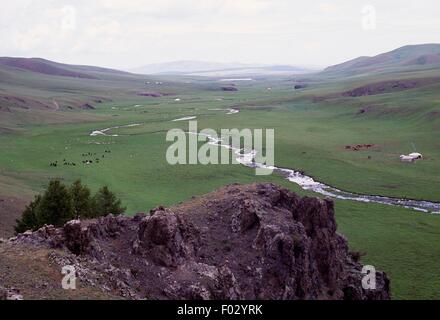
<point x="3" y="293"/>
<point x="230" y="88"/>
<point x="167" y="238"/>
<point x="389" y="86"/>
<point x="247" y="216"/>
<point x="77" y="239"/>
<point x="10" y="294"/>
<point x="151" y="94"/>
<point x="154" y="94"/>
<point x="87" y="106"/>
<point x="258" y="241"/>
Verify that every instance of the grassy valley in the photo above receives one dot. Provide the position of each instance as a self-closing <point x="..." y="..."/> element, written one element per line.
<point x="46" y="117"/>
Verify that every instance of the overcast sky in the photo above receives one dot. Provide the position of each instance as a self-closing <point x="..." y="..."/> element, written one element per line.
<point x="132" y="33"/>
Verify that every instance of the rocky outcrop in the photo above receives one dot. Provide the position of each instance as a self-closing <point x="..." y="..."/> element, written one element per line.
<point x="229" y="88"/>
<point x="154" y="94"/>
<point x="10" y="294"/>
<point x="390" y="86"/>
<point x="3" y="293"/>
<point x="257" y="241"/>
<point x="87" y="106"/>
<point x="166" y="238"/>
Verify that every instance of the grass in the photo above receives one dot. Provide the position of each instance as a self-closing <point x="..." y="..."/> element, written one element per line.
<point x="309" y="136"/>
<point x="399" y="241"/>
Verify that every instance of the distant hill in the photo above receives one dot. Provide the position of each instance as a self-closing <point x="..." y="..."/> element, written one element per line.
<point x="35" y="84"/>
<point x="38" y="65"/>
<point x="413" y="55"/>
<point x="202" y="68"/>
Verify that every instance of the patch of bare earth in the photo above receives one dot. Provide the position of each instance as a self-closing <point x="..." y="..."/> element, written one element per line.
<point x="35" y="274"/>
<point x="10" y="209"/>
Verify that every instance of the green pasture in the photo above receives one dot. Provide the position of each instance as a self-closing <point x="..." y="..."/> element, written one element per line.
<point x="310" y="136"/>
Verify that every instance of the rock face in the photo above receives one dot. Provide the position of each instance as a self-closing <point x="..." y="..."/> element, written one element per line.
<point x="229" y="88"/>
<point x="389" y="86"/>
<point x="3" y="293"/>
<point x="167" y="238"/>
<point x="154" y="94"/>
<point x="241" y="242"/>
<point x="87" y="106"/>
<point x="9" y="294"/>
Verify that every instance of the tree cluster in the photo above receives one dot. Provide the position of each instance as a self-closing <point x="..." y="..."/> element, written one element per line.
<point x="59" y="204"/>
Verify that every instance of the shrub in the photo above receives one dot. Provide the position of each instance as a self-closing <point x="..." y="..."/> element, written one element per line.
<point x="56" y="206"/>
<point x="82" y="201"/>
<point x="356" y="255"/>
<point x="29" y="219"/>
<point x="105" y="202"/>
<point x="60" y="204"/>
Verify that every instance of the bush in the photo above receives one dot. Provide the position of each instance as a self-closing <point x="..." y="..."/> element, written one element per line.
<point x="56" y="205"/>
<point x="60" y="204"/>
<point x="82" y="201"/>
<point x="29" y="219"/>
<point x="356" y="255"/>
<point x="105" y="202"/>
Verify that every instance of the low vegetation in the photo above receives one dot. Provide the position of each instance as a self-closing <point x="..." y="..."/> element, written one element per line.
<point x="59" y="204"/>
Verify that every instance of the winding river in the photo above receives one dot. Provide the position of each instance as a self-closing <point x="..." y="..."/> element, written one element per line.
<point x="308" y="183"/>
<point x="103" y="132"/>
<point x="304" y="181"/>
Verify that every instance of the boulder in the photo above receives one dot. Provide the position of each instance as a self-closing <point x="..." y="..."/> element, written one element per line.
<point x="230" y="88"/>
<point x="167" y="238"/>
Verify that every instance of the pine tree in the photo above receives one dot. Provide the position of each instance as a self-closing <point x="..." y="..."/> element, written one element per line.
<point x="105" y="202"/>
<point x="60" y="204"/>
<point x="29" y="220"/>
<point x="82" y="201"/>
<point x="56" y="206"/>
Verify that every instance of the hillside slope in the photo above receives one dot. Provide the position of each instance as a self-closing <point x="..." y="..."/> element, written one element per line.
<point x="43" y="66"/>
<point x="241" y="242"/>
<point x="34" y="90"/>
<point x="424" y="55"/>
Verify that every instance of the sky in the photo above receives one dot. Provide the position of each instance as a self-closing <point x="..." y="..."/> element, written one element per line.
<point x="132" y="33"/>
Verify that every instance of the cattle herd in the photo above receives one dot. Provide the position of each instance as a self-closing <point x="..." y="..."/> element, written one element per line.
<point x="88" y="158"/>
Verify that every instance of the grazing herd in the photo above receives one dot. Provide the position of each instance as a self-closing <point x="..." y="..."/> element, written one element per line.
<point x="359" y="147"/>
<point x="91" y="158"/>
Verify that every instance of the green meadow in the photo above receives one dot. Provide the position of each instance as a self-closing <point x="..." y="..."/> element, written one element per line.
<point x="310" y="135"/>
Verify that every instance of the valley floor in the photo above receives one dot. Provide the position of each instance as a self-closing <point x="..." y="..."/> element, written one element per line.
<point x="309" y="136"/>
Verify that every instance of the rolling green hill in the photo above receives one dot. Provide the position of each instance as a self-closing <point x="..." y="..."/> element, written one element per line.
<point x="406" y="57"/>
<point x="38" y="91"/>
<point x="386" y="102"/>
<point x="42" y="66"/>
